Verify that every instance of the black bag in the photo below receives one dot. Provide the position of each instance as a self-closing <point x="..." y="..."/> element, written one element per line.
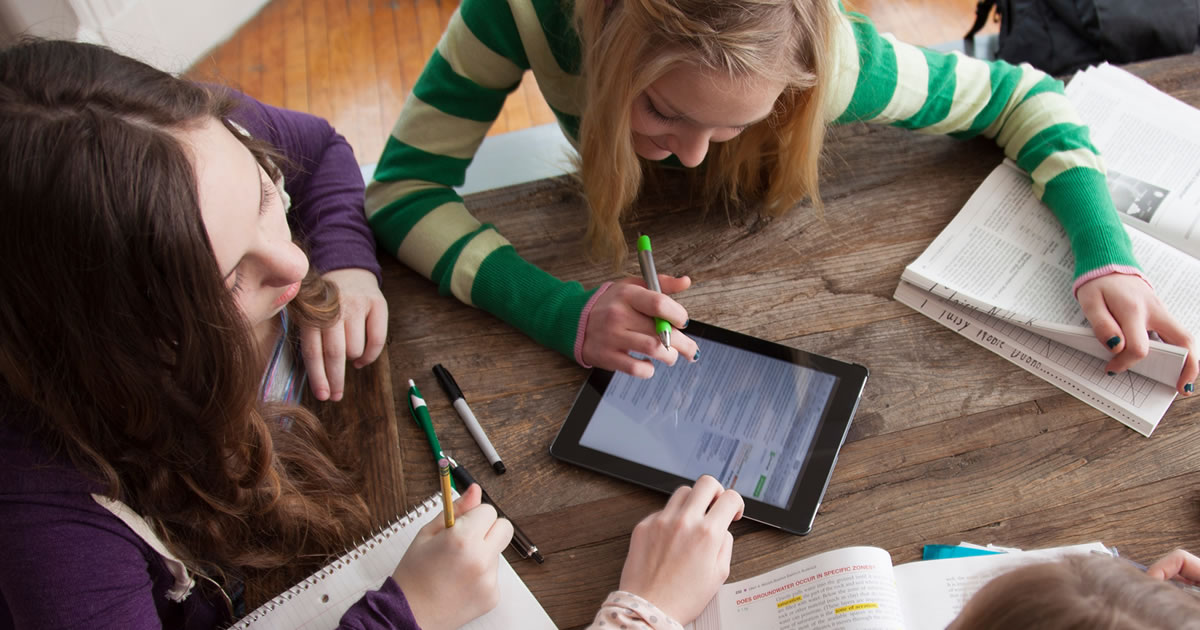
<point x="1061" y="36"/>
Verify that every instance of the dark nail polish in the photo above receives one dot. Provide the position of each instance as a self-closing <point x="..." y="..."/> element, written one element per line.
<point x="1111" y="373"/>
<point x="1114" y="342"/>
<point x="696" y="357"/>
<point x="1189" y="388"/>
<point x="686" y="322"/>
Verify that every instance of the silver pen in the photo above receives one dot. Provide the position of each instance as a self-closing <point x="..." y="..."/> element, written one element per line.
<point x="650" y="275"/>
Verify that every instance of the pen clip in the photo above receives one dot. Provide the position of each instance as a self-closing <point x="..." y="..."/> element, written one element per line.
<point x="446" y="380"/>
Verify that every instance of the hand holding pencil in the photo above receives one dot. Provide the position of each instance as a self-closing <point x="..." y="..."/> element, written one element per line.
<point x="449" y="575"/>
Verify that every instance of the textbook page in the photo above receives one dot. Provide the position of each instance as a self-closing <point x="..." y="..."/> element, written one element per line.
<point x="1007" y="255"/>
<point x="851" y="588"/>
<point x="1150" y="142"/>
<point x="1135" y="400"/>
<point x="933" y="592"/>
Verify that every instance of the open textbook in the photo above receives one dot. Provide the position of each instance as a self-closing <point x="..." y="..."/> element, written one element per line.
<point x="857" y="587"/>
<point x="1001" y="272"/>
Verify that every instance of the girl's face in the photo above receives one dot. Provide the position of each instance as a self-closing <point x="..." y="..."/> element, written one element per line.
<point x="688" y="107"/>
<point x="244" y="216"/>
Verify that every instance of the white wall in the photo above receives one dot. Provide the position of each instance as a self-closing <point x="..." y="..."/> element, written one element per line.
<point x="43" y="18"/>
<point x="170" y="34"/>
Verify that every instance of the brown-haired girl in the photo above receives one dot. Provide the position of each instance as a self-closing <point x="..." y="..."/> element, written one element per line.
<point x="1088" y="593"/>
<point x="747" y="88"/>
<point x="152" y="454"/>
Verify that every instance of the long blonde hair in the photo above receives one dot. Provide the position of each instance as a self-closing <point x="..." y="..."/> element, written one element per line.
<point x="629" y="44"/>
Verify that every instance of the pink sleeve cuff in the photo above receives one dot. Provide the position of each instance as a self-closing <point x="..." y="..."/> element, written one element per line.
<point x="626" y="610"/>
<point x="1104" y="271"/>
<point x="583" y="320"/>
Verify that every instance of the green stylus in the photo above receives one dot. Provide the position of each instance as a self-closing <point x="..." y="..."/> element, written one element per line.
<point x="650" y="275"/>
<point x="420" y="414"/>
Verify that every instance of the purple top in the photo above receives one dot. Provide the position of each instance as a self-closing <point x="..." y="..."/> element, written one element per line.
<point x="70" y="563"/>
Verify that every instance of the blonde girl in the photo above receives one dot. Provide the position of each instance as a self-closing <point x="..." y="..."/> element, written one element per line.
<point x="745" y="90"/>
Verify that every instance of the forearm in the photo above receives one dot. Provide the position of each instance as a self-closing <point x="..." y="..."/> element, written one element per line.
<point x="1022" y="109"/>
<point x="431" y="231"/>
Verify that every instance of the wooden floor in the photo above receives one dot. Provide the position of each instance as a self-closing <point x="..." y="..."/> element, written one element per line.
<point x="353" y="62"/>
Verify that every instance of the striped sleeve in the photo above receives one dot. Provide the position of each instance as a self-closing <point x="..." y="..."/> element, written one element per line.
<point x="412" y="207"/>
<point x="881" y="80"/>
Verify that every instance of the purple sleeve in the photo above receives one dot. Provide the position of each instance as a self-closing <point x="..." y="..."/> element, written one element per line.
<point x="324" y="182"/>
<point x="384" y="609"/>
<point x="67" y="564"/>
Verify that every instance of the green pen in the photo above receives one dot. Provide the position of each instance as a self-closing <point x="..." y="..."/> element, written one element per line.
<point x="650" y="275"/>
<point x="420" y="414"/>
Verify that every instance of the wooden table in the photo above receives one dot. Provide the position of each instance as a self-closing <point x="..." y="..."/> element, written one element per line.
<point x="951" y="442"/>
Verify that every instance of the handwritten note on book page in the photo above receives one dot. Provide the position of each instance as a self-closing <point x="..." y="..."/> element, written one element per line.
<point x="1136" y="401"/>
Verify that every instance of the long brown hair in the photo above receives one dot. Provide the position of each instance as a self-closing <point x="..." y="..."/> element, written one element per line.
<point x="629" y="44"/>
<point x="116" y="326"/>
<point x="1080" y="593"/>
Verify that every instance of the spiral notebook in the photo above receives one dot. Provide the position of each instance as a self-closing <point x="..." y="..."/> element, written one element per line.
<point x="319" y="601"/>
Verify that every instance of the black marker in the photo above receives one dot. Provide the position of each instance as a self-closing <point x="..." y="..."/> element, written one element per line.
<point x="468" y="417"/>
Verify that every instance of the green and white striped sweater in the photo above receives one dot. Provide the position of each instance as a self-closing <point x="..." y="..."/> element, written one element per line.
<point x="490" y="43"/>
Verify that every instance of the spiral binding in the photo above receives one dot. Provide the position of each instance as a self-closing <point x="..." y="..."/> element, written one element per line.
<point x="351" y="554"/>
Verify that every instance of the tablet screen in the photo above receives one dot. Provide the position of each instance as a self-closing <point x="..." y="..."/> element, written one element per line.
<point x="762" y="418"/>
<point x="747" y="419"/>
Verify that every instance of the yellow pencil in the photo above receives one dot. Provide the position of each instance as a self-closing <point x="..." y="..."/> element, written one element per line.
<point x="447" y="499"/>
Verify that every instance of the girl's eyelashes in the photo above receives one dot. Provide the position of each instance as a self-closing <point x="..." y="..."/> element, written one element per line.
<point x="648" y="105"/>
<point x="269" y="191"/>
<point x="657" y="115"/>
<point x="236" y="289"/>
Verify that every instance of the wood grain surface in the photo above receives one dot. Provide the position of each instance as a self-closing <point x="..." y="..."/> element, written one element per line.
<point x="950" y="443"/>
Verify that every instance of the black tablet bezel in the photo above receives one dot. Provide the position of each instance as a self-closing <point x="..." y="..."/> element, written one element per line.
<point x="814" y="478"/>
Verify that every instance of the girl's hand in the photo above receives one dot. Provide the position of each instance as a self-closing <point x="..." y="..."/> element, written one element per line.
<point x="1178" y="565"/>
<point x="622" y="321"/>
<point x="449" y="576"/>
<point x="679" y="557"/>
<point x="357" y="336"/>
<point x="1122" y="308"/>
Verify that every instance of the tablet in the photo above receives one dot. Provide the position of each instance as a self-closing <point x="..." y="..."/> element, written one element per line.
<point x="764" y="419"/>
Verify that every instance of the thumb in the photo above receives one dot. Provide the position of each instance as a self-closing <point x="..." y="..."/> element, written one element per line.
<point x="469" y="500"/>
